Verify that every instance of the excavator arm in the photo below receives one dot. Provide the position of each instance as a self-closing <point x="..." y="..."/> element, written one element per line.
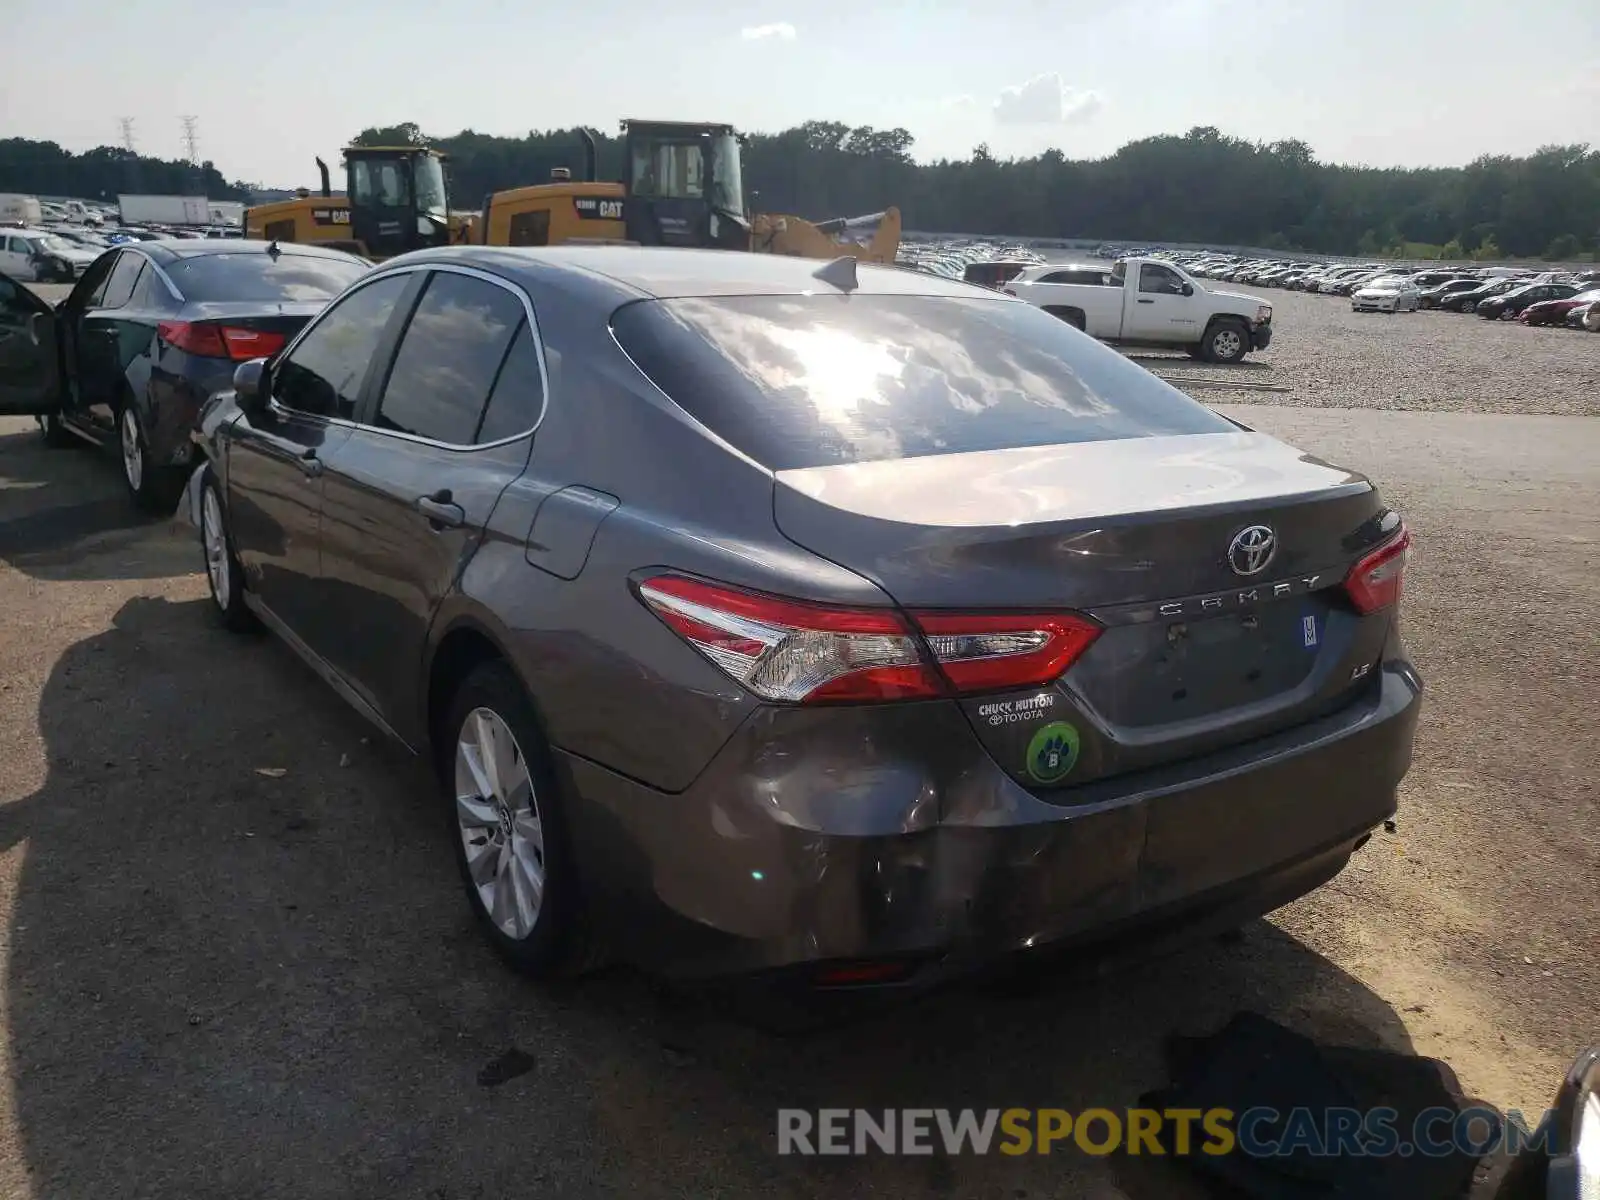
<point x="874" y="238"/>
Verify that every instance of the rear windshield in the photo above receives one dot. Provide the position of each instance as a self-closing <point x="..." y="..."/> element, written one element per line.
<point x="262" y="276"/>
<point x="808" y="381"/>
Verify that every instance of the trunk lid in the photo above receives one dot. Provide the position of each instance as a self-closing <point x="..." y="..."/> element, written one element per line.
<point x="285" y="318"/>
<point x="1206" y="640"/>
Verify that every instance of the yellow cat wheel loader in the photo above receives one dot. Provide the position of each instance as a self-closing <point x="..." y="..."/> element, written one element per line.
<point x="683" y="186"/>
<point x="395" y="201"/>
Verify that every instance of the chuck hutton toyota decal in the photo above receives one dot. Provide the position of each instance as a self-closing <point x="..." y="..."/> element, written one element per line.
<point x="597" y="208"/>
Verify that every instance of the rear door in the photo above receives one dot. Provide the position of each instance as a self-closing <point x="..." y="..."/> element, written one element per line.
<point x="107" y="342"/>
<point x="407" y="497"/>
<point x="30" y="375"/>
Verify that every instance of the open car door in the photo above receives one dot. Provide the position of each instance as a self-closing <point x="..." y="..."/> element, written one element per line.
<point x="30" y="367"/>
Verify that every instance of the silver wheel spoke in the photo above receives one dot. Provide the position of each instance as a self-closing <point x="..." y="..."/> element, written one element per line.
<point x="483" y="858"/>
<point x="528" y="828"/>
<point x="488" y="759"/>
<point x="474" y="812"/>
<point x="472" y="758"/>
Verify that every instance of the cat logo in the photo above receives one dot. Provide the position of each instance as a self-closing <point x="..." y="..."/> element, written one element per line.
<point x="331" y="216"/>
<point x="595" y="208"/>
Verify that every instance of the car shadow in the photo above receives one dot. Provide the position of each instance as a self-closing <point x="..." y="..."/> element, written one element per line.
<point x="240" y="964"/>
<point x="65" y="515"/>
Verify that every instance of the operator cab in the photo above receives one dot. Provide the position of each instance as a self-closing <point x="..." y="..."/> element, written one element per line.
<point x="398" y="200"/>
<point x="684" y="185"/>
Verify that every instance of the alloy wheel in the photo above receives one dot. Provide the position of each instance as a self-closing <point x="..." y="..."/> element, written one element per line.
<point x="132" y="452"/>
<point x="1227" y="343"/>
<point x="215" y="539"/>
<point x="497" y="815"/>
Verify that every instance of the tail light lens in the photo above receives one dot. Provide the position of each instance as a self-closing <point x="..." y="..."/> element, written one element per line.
<point x="208" y="339"/>
<point x="985" y="653"/>
<point x="1374" y="582"/>
<point x="798" y="652"/>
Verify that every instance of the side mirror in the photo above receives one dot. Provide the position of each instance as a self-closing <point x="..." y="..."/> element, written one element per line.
<point x="1188" y="289"/>
<point x="250" y="381"/>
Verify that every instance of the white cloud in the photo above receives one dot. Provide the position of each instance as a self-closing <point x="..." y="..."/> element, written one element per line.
<point x="953" y="102"/>
<point x="1046" y="100"/>
<point x="778" y="29"/>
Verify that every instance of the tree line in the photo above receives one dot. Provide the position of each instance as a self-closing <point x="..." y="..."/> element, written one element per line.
<point x="1203" y="186"/>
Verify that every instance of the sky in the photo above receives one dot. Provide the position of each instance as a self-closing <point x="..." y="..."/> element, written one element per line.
<point x="272" y="85"/>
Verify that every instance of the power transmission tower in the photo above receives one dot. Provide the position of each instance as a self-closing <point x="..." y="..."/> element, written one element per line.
<point x="127" y="131"/>
<point x="191" y="139"/>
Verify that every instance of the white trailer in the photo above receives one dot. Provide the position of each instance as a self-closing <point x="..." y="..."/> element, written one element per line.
<point x="17" y="209"/>
<point x="164" y="210"/>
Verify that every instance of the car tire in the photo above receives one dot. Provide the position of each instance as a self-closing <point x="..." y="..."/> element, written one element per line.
<point x="153" y="489"/>
<point x="1226" y="342"/>
<point x="500" y="842"/>
<point x="224" y="575"/>
<point x="55" y="433"/>
<point x="1468" y="306"/>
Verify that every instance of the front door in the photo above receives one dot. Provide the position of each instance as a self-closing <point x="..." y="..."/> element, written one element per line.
<point x="1159" y="310"/>
<point x="277" y="455"/>
<point x="30" y="371"/>
<point x="105" y="342"/>
<point x="407" y="498"/>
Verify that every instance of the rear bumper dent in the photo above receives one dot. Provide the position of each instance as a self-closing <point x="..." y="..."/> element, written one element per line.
<point x="895" y="836"/>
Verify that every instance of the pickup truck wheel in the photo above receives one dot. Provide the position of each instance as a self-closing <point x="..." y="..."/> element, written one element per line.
<point x="1227" y="342"/>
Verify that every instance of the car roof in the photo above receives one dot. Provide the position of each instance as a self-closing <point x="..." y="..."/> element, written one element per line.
<point x="664" y="273"/>
<point x="170" y="250"/>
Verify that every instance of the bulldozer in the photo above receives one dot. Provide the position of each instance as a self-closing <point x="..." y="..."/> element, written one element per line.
<point x="682" y="186"/>
<point x="395" y="201"/>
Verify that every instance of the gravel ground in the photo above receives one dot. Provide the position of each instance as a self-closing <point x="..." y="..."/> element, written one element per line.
<point x="222" y="982"/>
<point x="1329" y="357"/>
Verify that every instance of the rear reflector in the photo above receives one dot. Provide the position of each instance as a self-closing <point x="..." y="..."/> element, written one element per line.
<point x="1374" y="582"/>
<point x="799" y="652"/>
<point x="206" y="339"/>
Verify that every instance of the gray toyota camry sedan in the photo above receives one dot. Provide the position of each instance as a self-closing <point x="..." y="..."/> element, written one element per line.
<point x="764" y="615"/>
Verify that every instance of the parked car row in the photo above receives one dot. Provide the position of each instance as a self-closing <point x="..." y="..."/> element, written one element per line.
<point x="1503" y="293"/>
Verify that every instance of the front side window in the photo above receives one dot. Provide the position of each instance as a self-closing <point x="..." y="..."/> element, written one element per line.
<point x="123" y="278"/>
<point x="322" y="376"/>
<point x="668" y="170"/>
<point x="449" y="357"/>
<point x="430" y="186"/>
<point x="727" y="178"/>
<point x="380" y="182"/>
<point x="1159" y="281"/>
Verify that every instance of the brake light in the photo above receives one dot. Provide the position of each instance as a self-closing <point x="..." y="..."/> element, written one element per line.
<point x="800" y="652"/>
<point x="1374" y="582"/>
<point x="791" y="650"/>
<point x="986" y="653"/>
<point x="207" y="339"/>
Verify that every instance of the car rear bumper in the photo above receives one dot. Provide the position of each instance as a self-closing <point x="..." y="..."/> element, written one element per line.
<point x="811" y="841"/>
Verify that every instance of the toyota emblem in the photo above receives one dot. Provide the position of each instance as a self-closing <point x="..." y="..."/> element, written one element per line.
<point x="1252" y="549"/>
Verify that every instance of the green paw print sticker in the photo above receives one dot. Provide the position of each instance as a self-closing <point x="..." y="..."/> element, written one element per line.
<point x="1053" y="752"/>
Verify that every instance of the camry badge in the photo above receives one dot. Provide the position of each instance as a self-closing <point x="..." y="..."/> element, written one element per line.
<point x="1252" y="548"/>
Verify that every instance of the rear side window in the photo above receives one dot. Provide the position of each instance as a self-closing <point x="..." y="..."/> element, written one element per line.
<point x="260" y="276"/>
<point x="123" y="278"/>
<point x="449" y="358"/>
<point x="324" y="372"/>
<point x="808" y="381"/>
<point x="1093" y="278"/>
<point x="518" y="396"/>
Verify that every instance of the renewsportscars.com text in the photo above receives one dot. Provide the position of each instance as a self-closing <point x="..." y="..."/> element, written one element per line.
<point x="1256" y="1132"/>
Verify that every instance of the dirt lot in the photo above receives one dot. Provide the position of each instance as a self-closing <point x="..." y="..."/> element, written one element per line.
<point x="218" y="982"/>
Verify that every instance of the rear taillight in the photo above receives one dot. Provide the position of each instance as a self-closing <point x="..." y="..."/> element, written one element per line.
<point x="207" y="339"/>
<point x="800" y="652"/>
<point x="986" y="653"/>
<point x="1374" y="582"/>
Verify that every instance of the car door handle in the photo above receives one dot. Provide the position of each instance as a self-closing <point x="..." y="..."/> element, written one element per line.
<point x="1146" y="301"/>
<point x="441" y="510"/>
<point x="310" y="463"/>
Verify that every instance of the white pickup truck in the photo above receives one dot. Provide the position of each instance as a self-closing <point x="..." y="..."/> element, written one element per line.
<point x="1149" y="302"/>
